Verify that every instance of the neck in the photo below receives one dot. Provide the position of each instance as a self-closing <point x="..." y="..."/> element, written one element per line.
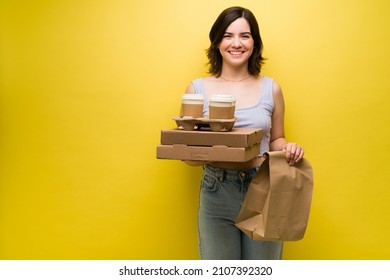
<point x="236" y="78"/>
<point x="235" y="74"/>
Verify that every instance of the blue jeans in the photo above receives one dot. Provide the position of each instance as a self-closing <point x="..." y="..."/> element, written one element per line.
<point x="221" y="196"/>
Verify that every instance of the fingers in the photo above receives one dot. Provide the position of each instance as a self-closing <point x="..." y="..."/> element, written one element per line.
<point x="294" y="153"/>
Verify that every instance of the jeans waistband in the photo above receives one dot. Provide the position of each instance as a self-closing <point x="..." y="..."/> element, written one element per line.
<point x="220" y="173"/>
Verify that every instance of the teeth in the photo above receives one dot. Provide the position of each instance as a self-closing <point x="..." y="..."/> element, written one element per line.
<point x="236" y="52"/>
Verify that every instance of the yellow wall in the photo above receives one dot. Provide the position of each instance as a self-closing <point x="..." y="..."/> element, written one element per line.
<point x="86" y="87"/>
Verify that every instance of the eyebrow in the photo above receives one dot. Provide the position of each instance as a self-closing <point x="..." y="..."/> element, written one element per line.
<point x="242" y="33"/>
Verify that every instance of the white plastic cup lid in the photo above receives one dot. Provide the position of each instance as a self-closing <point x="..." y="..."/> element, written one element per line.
<point x="222" y="98"/>
<point x="192" y="96"/>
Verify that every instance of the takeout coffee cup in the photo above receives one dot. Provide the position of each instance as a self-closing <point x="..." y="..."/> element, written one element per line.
<point x="222" y="106"/>
<point x="191" y="105"/>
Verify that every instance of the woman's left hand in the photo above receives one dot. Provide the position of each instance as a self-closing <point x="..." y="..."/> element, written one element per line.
<point x="294" y="153"/>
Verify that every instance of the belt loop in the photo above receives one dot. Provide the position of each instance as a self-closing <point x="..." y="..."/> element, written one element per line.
<point x="221" y="174"/>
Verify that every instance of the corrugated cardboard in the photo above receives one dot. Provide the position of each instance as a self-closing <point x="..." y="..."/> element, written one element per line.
<point x="238" y="145"/>
<point x="237" y="137"/>
<point x="204" y="153"/>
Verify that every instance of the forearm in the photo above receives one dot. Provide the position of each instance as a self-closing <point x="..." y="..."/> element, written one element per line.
<point x="278" y="144"/>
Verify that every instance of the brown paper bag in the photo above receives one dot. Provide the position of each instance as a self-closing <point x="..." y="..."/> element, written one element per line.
<point x="277" y="204"/>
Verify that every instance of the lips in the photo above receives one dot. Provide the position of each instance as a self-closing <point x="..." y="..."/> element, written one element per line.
<point x="236" y="52"/>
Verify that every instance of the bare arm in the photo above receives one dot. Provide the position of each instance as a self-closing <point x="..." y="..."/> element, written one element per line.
<point x="278" y="142"/>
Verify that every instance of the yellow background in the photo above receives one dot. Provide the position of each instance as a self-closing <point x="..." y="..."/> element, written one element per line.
<point x="87" y="86"/>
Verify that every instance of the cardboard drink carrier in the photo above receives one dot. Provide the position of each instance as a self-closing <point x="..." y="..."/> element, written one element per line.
<point x="207" y="139"/>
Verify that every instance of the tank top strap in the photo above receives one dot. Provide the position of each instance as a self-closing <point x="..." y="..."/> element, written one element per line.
<point x="198" y="85"/>
<point x="268" y="88"/>
<point x="267" y="97"/>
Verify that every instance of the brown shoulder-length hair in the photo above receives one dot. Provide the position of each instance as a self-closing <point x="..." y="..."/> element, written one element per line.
<point x="216" y="35"/>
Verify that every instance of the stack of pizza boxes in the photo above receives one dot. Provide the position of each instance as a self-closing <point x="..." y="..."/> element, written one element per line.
<point x="203" y="138"/>
<point x="237" y="145"/>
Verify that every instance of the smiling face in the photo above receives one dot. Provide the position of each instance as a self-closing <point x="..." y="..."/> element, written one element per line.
<point x="240" y="24"/>
<point x="237" y="43"/>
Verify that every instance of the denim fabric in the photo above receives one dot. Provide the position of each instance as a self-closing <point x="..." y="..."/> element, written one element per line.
<point x="221" y="196"/>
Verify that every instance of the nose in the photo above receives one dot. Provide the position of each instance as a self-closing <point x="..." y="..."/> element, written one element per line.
<point x="236" y="42"/>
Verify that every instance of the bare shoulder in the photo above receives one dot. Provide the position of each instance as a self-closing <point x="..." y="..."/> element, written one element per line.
<point x="277" y="91"/>
<point x="209" y="81"/>
<point x="206" y="81"/>
<point x="190" y="88"/>
<point x="276" y="88"/>
<point x="277" y="96"/>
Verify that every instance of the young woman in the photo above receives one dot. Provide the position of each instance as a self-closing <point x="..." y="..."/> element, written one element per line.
<point x="235" y="59"/>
